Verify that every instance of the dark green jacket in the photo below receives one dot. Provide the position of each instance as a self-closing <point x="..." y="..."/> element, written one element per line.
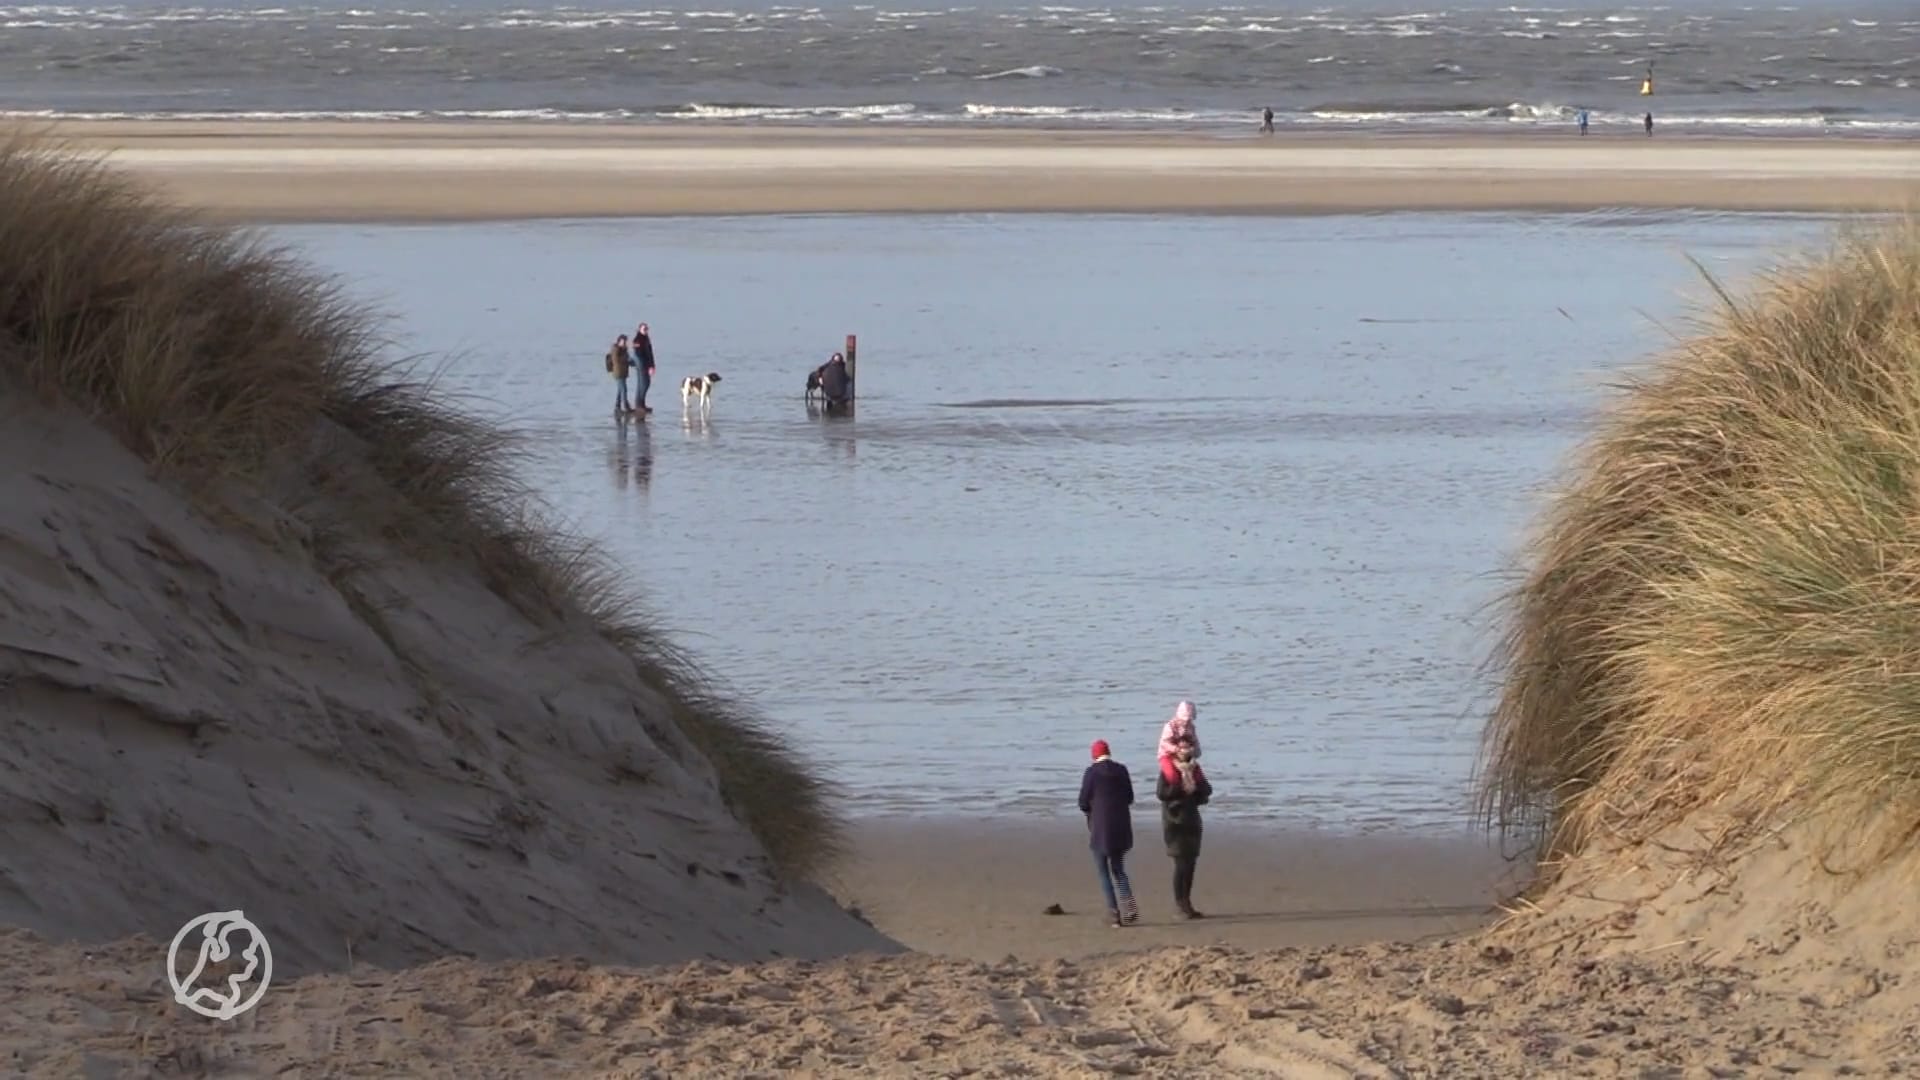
<point x="1180" y="815"/>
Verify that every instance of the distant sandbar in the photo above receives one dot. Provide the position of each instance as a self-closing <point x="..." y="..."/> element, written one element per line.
<point x="372" y="171"/>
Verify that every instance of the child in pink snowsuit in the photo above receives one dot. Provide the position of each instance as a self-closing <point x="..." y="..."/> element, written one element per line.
<point x="1179" y="730"/>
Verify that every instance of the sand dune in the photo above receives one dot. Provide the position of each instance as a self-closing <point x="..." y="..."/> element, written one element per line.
<point x="339" y="171"/>
<point x="390" y="763"/>
<point x="280" y="632"/>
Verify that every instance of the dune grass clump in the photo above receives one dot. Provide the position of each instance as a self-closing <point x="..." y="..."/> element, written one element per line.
<point x="1723" y="608"/>
<point x="227" y="362"/>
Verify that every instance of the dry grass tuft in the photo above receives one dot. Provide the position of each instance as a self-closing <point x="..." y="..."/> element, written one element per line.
<point x="1723" y="609"/>
<point x="227" y="362"/>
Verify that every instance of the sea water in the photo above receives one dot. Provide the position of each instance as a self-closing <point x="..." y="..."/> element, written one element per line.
<point x="1281" y="466"/>
<point x="1837" y="68"/>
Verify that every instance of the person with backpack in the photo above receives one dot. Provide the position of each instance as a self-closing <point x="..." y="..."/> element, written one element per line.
<point x="620" y="365"/>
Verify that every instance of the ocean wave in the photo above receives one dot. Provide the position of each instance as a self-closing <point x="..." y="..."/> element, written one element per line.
<point x="1087" y="64"/>
<point x="1035" y="71"/>
<point x="1459" y="117"/>
<point x="786" y="112"/>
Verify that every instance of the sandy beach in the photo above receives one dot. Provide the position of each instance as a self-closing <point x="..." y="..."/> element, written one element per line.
<point x="980" y="890"/>
<point x="338" y="171"/>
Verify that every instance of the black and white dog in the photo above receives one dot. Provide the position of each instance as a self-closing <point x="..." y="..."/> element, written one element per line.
<point x="698" y="386"/>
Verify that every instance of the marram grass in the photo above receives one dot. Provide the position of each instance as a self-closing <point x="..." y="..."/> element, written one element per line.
<point x="1722" y="609"/>
<point x="232" y="366"/>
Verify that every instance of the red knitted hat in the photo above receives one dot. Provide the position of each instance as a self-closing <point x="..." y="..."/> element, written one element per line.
<point x="1100" y="749"/>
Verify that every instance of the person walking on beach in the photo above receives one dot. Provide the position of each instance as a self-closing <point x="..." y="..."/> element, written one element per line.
<point x="1266" y="120"/>
<point x="1648" y="121"/>
<point x="1181" y="797"/>
<point x="620" y="365"/>
<point x="1106" y="798"/>
<point x="1583" y="121"/>
<point x="643" y="359"/>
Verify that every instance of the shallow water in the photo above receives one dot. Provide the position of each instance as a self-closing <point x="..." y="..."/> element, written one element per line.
<point x="1277" y="465"/>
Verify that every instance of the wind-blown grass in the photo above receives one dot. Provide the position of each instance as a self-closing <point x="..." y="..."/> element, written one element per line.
<point x="227" y="362"/>
<point x="1723" y="609"/>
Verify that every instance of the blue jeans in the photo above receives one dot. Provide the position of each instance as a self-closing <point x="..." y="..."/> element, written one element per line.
<point x="620" y="394"/>
<point x="1114" y="884"/>
<point x="646" y="380"/>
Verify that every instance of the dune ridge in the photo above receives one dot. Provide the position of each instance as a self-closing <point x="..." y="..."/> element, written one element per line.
<point x="1716" y="616"/>
<point x="1708" y="721"/>
<point x="283" y="633"/>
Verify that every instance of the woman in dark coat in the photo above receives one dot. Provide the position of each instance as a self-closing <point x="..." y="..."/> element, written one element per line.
<point x="1106" y="798"/>
<point x="1181" y="797"/>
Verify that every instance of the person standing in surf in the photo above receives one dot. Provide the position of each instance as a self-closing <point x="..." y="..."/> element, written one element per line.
<point x="1266" y="120"/>
<point x="1106" y="798"/>
<point x="643" y="359"/>
<point x="1583" y="121"/>
<point x="836" y="386"/>
<point x="620" y="365"/>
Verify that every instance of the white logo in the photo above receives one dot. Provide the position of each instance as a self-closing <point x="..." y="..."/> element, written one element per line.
<point x="210" y="1001"/>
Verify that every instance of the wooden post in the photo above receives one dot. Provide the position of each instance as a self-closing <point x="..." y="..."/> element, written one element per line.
<point x="853" y="375"/>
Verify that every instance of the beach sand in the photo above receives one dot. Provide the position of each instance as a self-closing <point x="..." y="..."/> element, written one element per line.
<point x="336" y="171"/>
<point x="979" y="889"/>
<point x="1309" y="968"/>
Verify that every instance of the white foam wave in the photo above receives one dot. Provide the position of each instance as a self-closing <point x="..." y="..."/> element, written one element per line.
<point x="1034" y="71"/>
<point x="1546" y="115"/>
<point x="698" y="111"/>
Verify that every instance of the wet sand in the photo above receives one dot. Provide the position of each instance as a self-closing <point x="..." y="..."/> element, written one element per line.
<point x="335" y="171"/>
<point x="979" y="889"/>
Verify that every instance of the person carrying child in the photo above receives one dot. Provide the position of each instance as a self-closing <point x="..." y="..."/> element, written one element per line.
<point x="1180" y="825"/>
